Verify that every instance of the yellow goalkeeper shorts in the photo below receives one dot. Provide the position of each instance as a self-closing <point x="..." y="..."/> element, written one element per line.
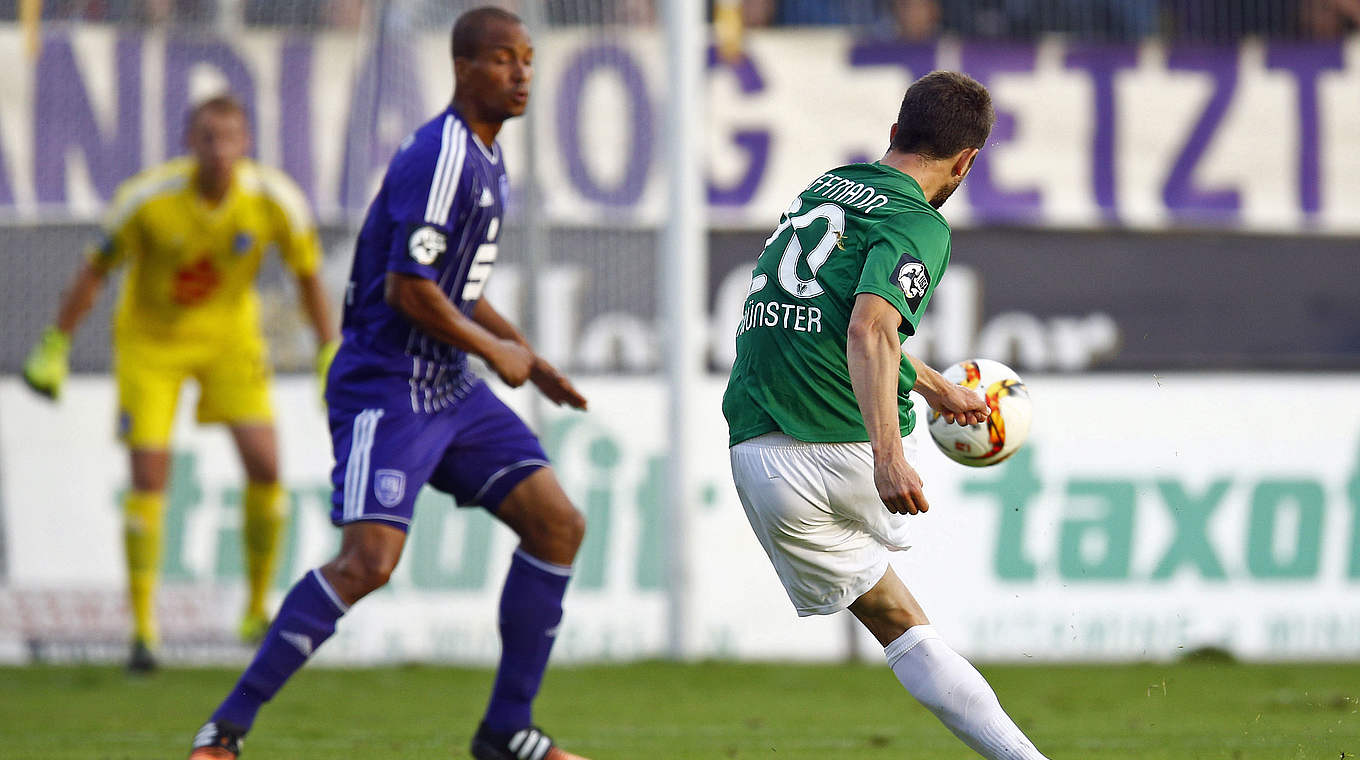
<point x="232" y="376"/>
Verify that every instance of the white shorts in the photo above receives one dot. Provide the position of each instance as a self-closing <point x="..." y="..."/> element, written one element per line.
<point x="816" y="511"/>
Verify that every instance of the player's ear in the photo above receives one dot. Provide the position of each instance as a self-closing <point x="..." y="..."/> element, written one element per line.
<point x="963" y="162"/>
<point x="892" y="133"/>
<point x="190" y="124"/>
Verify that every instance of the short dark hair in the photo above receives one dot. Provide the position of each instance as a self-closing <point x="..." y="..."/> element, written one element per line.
<point x="222" y="104"/>
<point x="470" y="28"/>
<point x="943" y="113"/>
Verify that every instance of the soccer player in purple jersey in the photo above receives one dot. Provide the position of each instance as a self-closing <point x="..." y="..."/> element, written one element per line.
<point x="405" y="410"/>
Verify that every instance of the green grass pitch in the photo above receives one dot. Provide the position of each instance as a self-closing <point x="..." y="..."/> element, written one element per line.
<point x="709" y="710"/>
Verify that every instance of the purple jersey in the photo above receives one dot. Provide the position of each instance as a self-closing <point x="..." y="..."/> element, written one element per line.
<point x="437" y="216"/>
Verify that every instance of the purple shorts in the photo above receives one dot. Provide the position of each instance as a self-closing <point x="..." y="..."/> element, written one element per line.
<point x="475" y="450"/>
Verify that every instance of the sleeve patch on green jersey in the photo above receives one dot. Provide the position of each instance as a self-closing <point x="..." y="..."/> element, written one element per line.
<point x="914" y="280"/>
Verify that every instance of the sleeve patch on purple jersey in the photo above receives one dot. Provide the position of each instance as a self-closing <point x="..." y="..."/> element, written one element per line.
<point x="426" y="244"/>
<point x="914" y="280"/>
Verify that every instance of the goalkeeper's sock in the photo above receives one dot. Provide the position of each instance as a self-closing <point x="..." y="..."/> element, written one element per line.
<point x="530" y="611"/>
<point x="264" y="519"/>
<point x="143" y="513"/>
<point x="949" y="686"/>
<point x="306" y="618"/>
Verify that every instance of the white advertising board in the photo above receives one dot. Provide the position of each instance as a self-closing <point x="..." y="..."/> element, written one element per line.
<point x="1148" y="516"/>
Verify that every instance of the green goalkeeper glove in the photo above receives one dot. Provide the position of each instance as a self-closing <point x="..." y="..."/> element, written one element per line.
<point x="324" y="356"/>
<point x="48" y="363"/>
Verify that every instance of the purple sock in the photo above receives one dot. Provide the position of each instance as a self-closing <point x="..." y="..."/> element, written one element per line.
<point x="306" y="619"/>
<point x="531" y="608"/>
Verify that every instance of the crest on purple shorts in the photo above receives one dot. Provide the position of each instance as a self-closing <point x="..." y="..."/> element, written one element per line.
<point x="390" y="486"/>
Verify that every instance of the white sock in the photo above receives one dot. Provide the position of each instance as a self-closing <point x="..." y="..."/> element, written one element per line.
<point x="949" y="686"/>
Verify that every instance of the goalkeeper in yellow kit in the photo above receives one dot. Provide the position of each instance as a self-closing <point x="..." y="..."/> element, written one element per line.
<point x="193" y="232"/>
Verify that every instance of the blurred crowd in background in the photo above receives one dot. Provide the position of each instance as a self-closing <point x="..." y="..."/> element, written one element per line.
<point x="1208" y="21"/>
<point x="1115" y="20"/>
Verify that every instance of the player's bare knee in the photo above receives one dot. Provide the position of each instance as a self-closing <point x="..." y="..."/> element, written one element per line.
<point x="262" y="470"/>
<point x="564" y="528"/>
<point x="150" y="471"/>
<point x="555" y="534"/>
<point x="149" y="484"/>
<point x="573" y="527"/>
<point x="898" y="620"/>
<point x="886" y="617"/>
<point x="362" y="571"/>
<point x="375" y="570"/>
<point x="150" y="481"/>
<point x="263" y="474"/>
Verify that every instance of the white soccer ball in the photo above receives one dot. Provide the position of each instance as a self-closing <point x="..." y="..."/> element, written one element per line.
<point x="1005" y="430"/>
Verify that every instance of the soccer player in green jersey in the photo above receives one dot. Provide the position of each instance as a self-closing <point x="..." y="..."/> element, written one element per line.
<point x="817" y="406"/>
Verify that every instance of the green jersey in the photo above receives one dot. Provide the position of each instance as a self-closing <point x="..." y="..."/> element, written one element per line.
<point x="862" y="228"/>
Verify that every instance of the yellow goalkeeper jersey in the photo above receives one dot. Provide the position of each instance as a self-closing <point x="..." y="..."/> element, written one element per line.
<point x="191" y="266"/>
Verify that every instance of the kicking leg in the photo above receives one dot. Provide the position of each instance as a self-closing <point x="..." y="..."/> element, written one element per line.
<point x="368" y="553"/>
<point x="937" y="676"/>
<point x="550" y="531"/>
<point x="263" y="522"/>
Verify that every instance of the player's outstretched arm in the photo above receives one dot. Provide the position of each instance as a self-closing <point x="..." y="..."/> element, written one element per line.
<point x="79" y="299"/>
<point x="550" y="381"/>
<point x="317" y="307"/>
<point x="48" y="363"/>
<point x="421" y="301"/>
<point x="965" y="406"/>
<point x="874" y="356"/>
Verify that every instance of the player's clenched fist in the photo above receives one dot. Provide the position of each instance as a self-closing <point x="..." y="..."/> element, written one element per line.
<point x="48" y="363"/>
